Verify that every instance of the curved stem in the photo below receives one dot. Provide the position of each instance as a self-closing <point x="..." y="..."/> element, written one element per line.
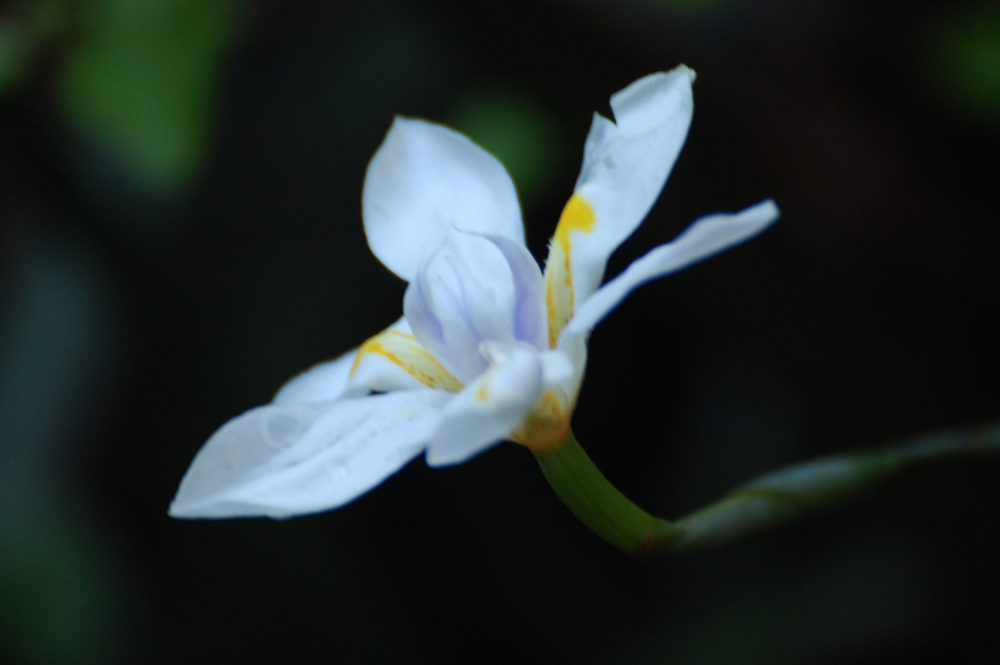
<point x="764" y="503"/>
<point x="596" y="502"/>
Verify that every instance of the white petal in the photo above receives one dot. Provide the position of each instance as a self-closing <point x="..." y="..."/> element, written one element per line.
<point x="464" y="294"/>
<point x="558" y="367"/>
<point x="320" y="383"/>
<point x="625" y="166"/>
<point x="489" y="408"/>
<point x="280" y="460"/>
<point x="530" y="323"/>
<point x="424" y="179"/>
<point x="708" y="235"/>
<point x="394" y="360"/>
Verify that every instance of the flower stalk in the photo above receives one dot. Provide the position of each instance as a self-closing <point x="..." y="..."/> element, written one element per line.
<point x="762" y="504"/>
<point x="597" y="503"/>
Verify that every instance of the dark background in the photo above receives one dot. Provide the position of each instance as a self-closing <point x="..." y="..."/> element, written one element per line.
<point x="181" y="233"/>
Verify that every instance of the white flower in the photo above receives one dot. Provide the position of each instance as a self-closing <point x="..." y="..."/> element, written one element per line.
<point x="489" y="347"/>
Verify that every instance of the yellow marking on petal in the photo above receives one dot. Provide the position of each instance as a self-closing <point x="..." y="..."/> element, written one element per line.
<point x="482" y="394"/>
<point x="557" y="305"/>
<point x="578" y="215"/>
<point x="403" y="350"/>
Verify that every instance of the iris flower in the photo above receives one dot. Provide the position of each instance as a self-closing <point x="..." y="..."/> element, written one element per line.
<point x="489" y="346"/>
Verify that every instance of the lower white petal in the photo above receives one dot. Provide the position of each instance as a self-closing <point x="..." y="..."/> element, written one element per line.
<point x="394" y="360"/>
<point x="489" y="408"/>
<point x="708" y="235"/>
<point x="280" y="460"/>
<point x="319" y="383"/>
<point x="363" y="369"/>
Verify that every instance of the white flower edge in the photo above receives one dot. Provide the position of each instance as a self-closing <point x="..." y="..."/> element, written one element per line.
<point x="325" y="441"/>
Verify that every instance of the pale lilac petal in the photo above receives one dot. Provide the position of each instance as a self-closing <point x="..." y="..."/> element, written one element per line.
<point x="530" y="323"/>
<point x="464" y="294"/>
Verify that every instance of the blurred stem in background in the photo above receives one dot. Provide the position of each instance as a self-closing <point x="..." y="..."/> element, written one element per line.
<point x="765" y="503"/>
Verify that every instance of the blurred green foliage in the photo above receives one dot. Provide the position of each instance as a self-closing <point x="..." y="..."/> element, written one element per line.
<point x="61" y="595"/>
<point x="140" y="81"/>
<point x="964" y="61"/>
<point x="518" y="131"/>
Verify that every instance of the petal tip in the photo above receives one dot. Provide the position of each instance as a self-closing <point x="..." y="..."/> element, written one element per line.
<point x="180" y="509"/>
<point x="684" y="70"/>
<point x="768" y="210"/>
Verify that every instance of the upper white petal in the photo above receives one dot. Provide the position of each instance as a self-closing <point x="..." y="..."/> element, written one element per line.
<point x="626" y="164"/>
<point x="706" y="236"/>
<point x="424" y="179"/>
<point x="280" y="460"/>
<point x="489" y="408"/>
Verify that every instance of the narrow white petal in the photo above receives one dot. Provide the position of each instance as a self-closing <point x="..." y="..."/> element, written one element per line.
<point x="489" y="408"/>
<point x="423" y="180"/>
<point x="707" y="236"/>
<point x="280" y="460"/>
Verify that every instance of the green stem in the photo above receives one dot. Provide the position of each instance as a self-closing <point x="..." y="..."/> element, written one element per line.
<point x="596" y="502"/>
<point x="764" y="503"/>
